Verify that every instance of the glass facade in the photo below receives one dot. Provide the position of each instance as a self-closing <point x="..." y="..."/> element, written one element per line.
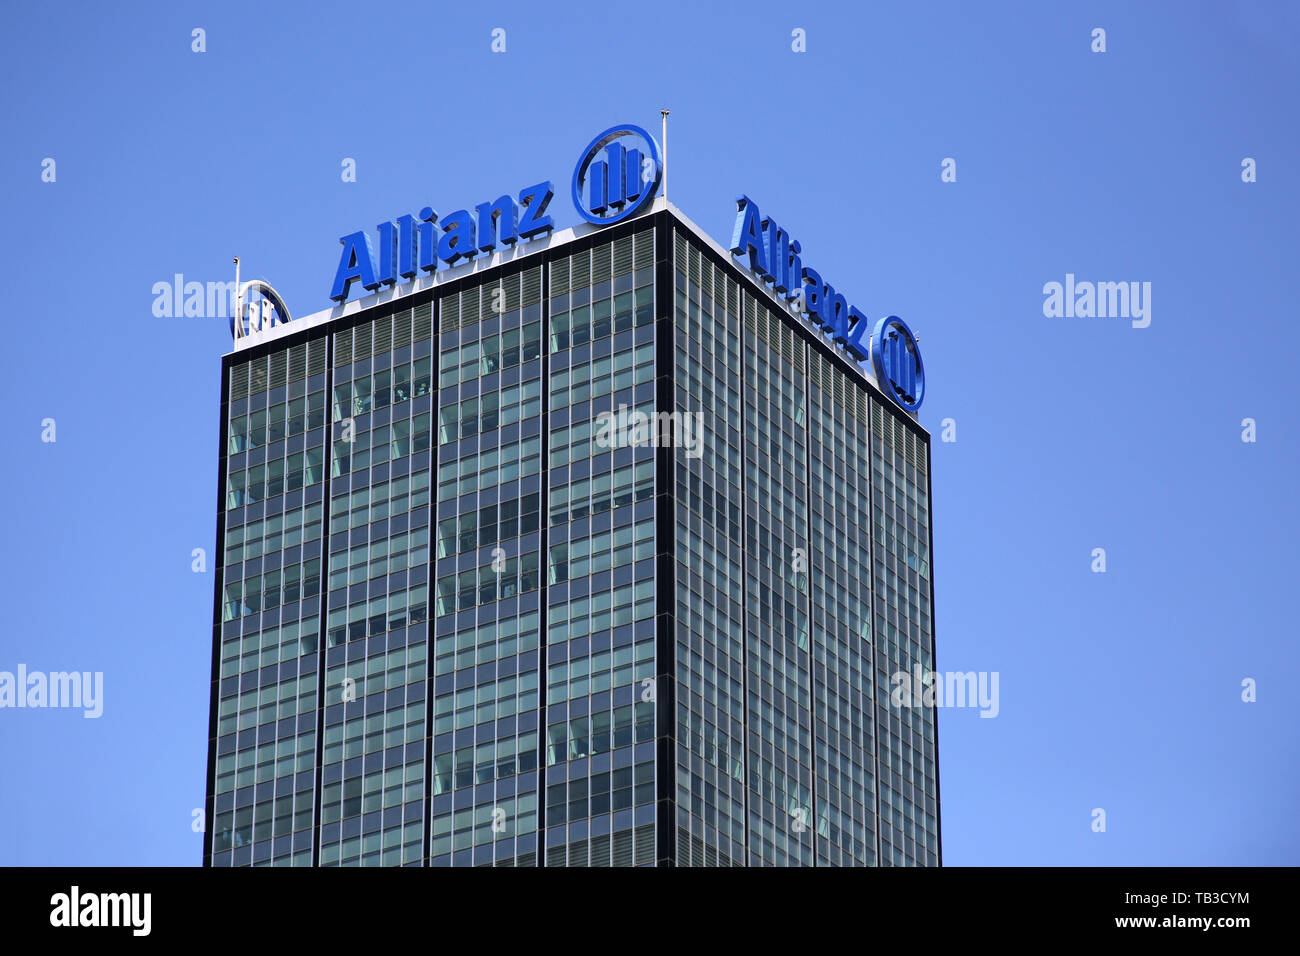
<point x="487" y="618"/>
<point x="600" y="678"/>
<point x="458" y="625"/>
<point x="376" y="648"/>
<point x="263" y="755"/>
<point x="802" y="586"/>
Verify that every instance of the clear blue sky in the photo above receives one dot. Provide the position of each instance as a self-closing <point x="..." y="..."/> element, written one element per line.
<point x="1119" y="690"/>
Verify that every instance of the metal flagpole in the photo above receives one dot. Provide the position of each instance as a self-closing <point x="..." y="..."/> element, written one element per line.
<point x="239" y="323"/>
<point x="664" y="114"/>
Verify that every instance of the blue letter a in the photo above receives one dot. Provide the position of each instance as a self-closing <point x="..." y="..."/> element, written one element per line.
<point x="357" y="262"/>
<point x="748" y="236"/>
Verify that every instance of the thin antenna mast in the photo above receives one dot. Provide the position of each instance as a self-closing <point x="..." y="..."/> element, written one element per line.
<point x="664" y="114"/>
<point x="239" y="302"/>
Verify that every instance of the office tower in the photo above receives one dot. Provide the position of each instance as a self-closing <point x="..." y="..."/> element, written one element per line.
<point x="458" y="623"/>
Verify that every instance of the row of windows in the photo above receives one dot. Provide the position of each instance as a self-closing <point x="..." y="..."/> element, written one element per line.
<point x="901" y="480"/>
<point x="489" y="701"/>
<point x="488" y="642"/>
<point x="896" y="809"/>
<point x="376" y="502"/>
<point x="383" y="443"/>
<point x="390" y="386"/>
<point x="490" y="308"/>
<point x="601" y="552"/>
<point x="603" y="492"/>
<point x="583" y="382"/>
<point x="596" y="851"/>
<point x="262" y="705"/>
<point x="492" y="410"/>
<point x="909" y="549"/>
<point x="581" y="440"/>
<point x="239" y="827"/>
<point x="375" y="791"/>
<point x="600" y="793"/>
<point x="382" y="613"/>
<point x="779" y="693"/>
<point x="399" y="845"/>
<point x="708" y="847"/>
<point x="599" y="672"/>
<point x="713" y="564"/>
<point x="274" y="645"/>
<point x="902" y="785"/>
<point x="379" y="557"/>
<point x="721" y="626"/>
<point x="506" y="818"/>
<point x="282" y="420"/>
<point x="273" y="760"/>
<point x="771" y="383"/>
<point x="711" y="807"/>
<point x="491" y="760"/>
<point x="269" y="535"/>
<point x="375" y="674"/>
<point x="714" y="385"/>
<point x="709" y="650"/>
<point x="845" y="786"/>
<point x="375" y="732"/>
<point x="902" y="510"/>
<point x="488" y="525"/>
<point x="299" y="470"/>
<point x="601" y="611"/>
<point x="588" y="665"/>
<point x="486" y="469"/>
<point x="460" y="592"/>
<point x="261" y="592"/>
<point x="719" y="750"/>
<point x="599" y="732"/>
<point x="493" y="353"/>
<point x="600" y="319"/>
<point x="588" y="292"/>
<point x="706" y="680"/>
<point x="714" y="329"/>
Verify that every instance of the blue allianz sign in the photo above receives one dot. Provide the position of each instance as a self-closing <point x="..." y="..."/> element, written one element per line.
<point x="616" y="175"/>
<point x="897" y="361"/>
<point x="258" y="307"/>
<point x="410" y="245"/>
<point x="772" y="255"/>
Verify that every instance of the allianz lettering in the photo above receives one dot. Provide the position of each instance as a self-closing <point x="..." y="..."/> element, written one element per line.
<point x="409" y="244"/>
<point x="772" y="255"/>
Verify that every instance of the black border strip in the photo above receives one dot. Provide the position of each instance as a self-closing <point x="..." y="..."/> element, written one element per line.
<point x="431" y="577"/>
<point x="934" y="656"/>
<point x="665" y="552"/>
<point x="219" y="573"/>
<point x="811" y="608"/>
<point x="544" y="572"/>
<point x="322" y="631"/>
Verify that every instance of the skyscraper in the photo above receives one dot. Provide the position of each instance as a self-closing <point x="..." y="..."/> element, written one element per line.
<point x="457" y="623"/>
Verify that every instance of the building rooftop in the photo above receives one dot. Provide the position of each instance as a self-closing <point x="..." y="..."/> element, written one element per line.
<point x="526" y="250"/>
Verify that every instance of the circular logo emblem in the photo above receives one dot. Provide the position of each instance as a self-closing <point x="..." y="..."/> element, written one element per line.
<point x="261" y="307"/>
<point x="897" y="361"/>
<point x="618" y="173"/>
